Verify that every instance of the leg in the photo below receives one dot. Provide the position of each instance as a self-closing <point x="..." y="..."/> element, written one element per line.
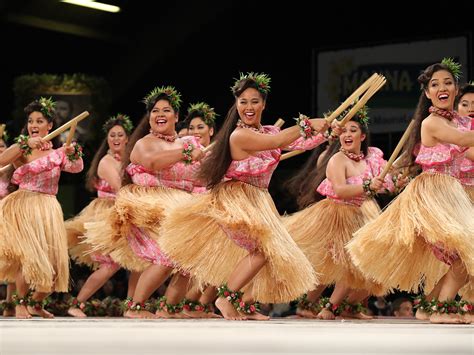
<point x="454" y="279"/>
<point x="39" y="310"/>
<point x="340" y="292"/>
<point x="149" y="281"/>
<point x="22" y="290"/>
<point x="175" y="292"/>
<point x="11" y="288"/>
<point x="245" y="271"/>
<point x="311" y="298"/>
<point x="356" y="297"/>
<point x="132" y="282"/>
<point x="95" y="281"/>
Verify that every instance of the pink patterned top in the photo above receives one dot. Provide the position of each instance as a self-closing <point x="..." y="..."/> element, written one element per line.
<point x="4" y="182"/>
<point x="104" y="189"/>
<point x="257" y="170"/>
<point x="467" y="166"/>
<point x="180" y="175"/>
<point x="42" y="174"/>
<point x="374" y="164"/>
<point x="445" y="158"/>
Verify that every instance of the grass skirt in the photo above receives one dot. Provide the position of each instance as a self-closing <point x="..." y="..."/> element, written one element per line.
<point x="33" y="240"/>
<point x="79" y="250"/>
<point x="143" y="207"/>
<point x="194" y="237"/>
<point x="396" y="248"/>
<point x="322" y="230"/>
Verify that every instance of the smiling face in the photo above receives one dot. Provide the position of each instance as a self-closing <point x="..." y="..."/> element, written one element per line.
<point x="199" y="129"/>
<point x="352" y="137"/>
<point x="442" y="90"/>
<point x="466" y="105"/>
<point x="250" y="106"/>
<point x="163" y="118"/>
<point x="117" y="139"/>
<point x="38" y="125"/>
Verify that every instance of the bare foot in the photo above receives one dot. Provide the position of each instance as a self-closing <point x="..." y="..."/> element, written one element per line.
<point x="167" y="315"/>
<point x="422" y="315"/>
<point x="22" y="313"/>
<point x="142" y="314"/>
<point x="256" y="316"/>
<point x="40" y="312"/>
<point x="227" y="309"/>
<point x="326" y="314"/>
<point x="9" y="313"/>
<point x="76" y="312"/>
<point x="201" y="314"/>
<point x="443" y="318"/>
<point x="306" y="313"/>
<point x="360" y="315"/>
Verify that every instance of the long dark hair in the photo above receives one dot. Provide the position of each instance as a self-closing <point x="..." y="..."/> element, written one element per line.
<point x="304" y="184"/>
<point x="92" y="177"/>
<point x="407" y="160"/>
<point x="467" y="88"/>
<point x="141" y="131"/>
<point x="216" y="164"/>
<point x="51" y="117"/>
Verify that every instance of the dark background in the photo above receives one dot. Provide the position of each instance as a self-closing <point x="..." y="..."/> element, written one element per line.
<point x="201" y="46"/>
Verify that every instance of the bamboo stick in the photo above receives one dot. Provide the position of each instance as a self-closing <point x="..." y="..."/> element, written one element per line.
<point x="66" y="126"/>
<point x="397" y="149"/>
<point x="71" y="134"/>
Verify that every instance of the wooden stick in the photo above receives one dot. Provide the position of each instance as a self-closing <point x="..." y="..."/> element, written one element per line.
<point x="397" y="149"/>
<point x="280" y="122"/>
<point x="350" y="100"/>
<point x="71" y="134"/>
<point x="2" y="130"/>
<point x="66" y="126"/>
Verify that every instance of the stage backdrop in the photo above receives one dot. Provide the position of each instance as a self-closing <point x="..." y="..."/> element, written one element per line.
<point x="337" y="73"/>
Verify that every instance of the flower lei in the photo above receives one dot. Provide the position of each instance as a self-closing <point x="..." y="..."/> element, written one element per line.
<point x="203" y="110"/>
<point x="235" y="298"/>
<point x="75" y="303"/>
<point x="241" y="124"/>
<point x="306" y="130"/>
<point x="162" y="305"/>
<point x="352" y="156"/>
<point x="303" y="303"/>
<point x="77" y="152"/>
<point x="6" y="306"/>
<point x="187" y="151"/>
<point x="450" y="307"/>
<point x="166" y="137"/>
<point x="47" y="106"/>
<point x="324" y="303"/>
<point x="454" y="67"/>
<point x="449" y="115"/>
<point x="352" y="308"/>
<point x="22" y="141"/>
<point x="420" y="303"/>
<point x="367" y="189"/>
<point x="119" y="119"/>
<point x="130" y="305"/>
<point x="261" y="79"/>
<point x="194" y="306"/>
<point x="169" y="91"/>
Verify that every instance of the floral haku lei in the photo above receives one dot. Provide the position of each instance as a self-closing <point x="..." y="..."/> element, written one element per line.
<point x="122" y="120"/>
<point x="47" y="106"/>
<point x="454" y="67"/>
<point x="207" y="112"/>
<point x="261" y="79"/>
<point x="169" y="91"/>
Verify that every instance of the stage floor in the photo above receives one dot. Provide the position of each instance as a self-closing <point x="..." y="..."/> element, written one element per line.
<point x="277" y="336"/>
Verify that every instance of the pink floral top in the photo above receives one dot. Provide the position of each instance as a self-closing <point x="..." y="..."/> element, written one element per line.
<point x="104" y="189"/>
<point x="257" y="170"/>
<point x="180" y="175"/>
<point x="467" y="167"/>
<point x="42" y="174"/>
<point x="445" y="158"/>
<point x="4" y="182"/>
<point x="374" y="164"/>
